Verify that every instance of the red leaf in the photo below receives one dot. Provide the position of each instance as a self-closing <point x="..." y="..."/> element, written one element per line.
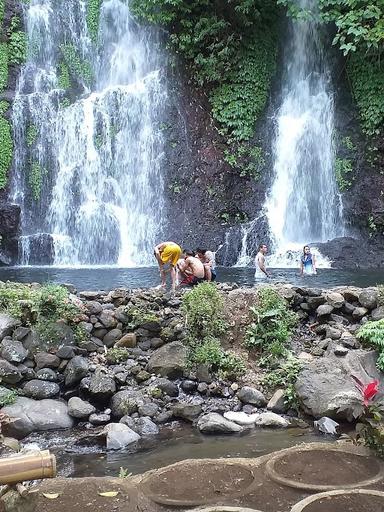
<point x="370" y="391"/>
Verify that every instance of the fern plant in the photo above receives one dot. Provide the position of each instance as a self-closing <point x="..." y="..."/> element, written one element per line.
<point x="372" y="333"/>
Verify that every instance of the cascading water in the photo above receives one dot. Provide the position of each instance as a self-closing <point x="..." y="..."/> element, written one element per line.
<point x="303" y="205"/>
<point x="94" y="148"/>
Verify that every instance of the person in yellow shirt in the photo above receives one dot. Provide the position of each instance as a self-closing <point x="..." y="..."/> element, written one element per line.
<point x="167" y="253"/>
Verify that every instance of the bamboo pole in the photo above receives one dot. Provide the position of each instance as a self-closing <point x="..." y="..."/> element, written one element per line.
<point x="20" y="468"/>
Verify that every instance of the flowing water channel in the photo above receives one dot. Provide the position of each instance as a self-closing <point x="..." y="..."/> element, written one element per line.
<point x="303" y="205"/>
<point x="88" y="147"/>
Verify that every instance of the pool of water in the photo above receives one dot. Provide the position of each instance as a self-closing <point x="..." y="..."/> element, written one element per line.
<point x="172" y="445"/>
<point x="107" y="278"/>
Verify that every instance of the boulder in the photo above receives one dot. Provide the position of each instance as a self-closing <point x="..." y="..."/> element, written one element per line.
<point x="36" y="416"/>
<point x="326" y="426"/>
<point x="66" y="352"/>
<point x="335" y="299"/>
<point x="125" y="402"/>
<point x="325" y="386"/>
<point x="241" y="418"/>
<point x="324" y="310"/>
<point x="270" y="419"/>
<point x="7" y="325"/>
<point x="169" y="360"/>
<point x="143" y="426"/>
<point x="186" y="411"/>
<point x="150" y="410"/>
<point x="378" y="313"/>
<point x="252" y="396"/>
<point x="214" y="423"/>
<point x="107" y="318"/>
<point x="277" y="402"/>
<point x="40" y="389"/>
<point x="101" y="386"/>
<point x="13" y="351"/>
<point x="368" y="298"/>
<point x="93" y="307"/>
<point x="78" y="408"/>
<point x="99" y="419"/>
<point x="111" y="337"/>
<point x="46" y="360"/>
<point x="47" y="374"/>
<point x="127" y="341"/>
<point x="332" y="333"/>
<point x="359" y="313"/>
<point x="76" y="370"/>
<point x="315" y="302"/>
<point x="119" y="436"/>
<point x="9" y="373"/>
<point x="167" y="387"/>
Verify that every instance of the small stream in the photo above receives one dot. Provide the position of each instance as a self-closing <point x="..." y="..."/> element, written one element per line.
<point x="172" y="445"/>
<point x="109" y="277"/>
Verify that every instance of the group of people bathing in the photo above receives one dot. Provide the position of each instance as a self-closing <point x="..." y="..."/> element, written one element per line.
<point x="187" y="268"/>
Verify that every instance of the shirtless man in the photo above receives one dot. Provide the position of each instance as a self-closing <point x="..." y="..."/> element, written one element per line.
<point x="261" y="271"/>
<point x="167" y="252"/>
<point x="208" y="260"/>
<point x="193" y="271"/>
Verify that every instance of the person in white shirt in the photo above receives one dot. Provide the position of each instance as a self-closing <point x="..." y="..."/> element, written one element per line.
<point x="261" y="270"/>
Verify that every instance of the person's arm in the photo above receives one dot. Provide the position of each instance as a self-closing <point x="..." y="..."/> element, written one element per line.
<point x="261" y="262"/>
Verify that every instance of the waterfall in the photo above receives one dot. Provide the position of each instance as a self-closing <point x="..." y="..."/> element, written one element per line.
<point x="88" y="157"/>
<point x="303" y="205"/>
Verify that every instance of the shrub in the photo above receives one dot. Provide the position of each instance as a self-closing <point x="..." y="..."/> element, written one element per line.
<point x="372" y="333"/>
<point x="285" y="377"/>
<point x="117" y="355"/>
<point x="272" y="326"/>
<point x="7" y="397"/>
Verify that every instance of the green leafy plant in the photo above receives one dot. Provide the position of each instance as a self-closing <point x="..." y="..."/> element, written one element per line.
<point x="285" y="376"/>
<point x="35" y="179"/>
<point x="80" y="69"/>
<point x="372" y="333"/>
<point x="7" y="397"/>
<point x="32" y="133"/>
<point x="6" y="150"/>
<point x="3" y="66"/>
<point x="117" y="355"/>
<point x="124" y="473"/>
<point x="372" y="228"/>
<point x="272" y="327"/>
<point x="64" y="79"/>
<point x="93" y="18"/>
<point x="344" y="173"/>
<point x="17" y="42"/>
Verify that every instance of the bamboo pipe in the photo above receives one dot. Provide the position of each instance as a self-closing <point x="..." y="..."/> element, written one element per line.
<point x="34" y="466"/>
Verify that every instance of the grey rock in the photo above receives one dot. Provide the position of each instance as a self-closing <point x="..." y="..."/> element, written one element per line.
<point x="112" y="337"/>
<point x="368" y="298"/>
<point x="36" y="416"/>
<point x="214" y="423"/>
<point x="326" y="426"/>
<point x="99" y="419"/>
<point x="325" y="387"/>
<point x="315" y="302"/>
<point x="40" y="389"/>
<point x="167" y="387"/>
<point x="7" y="325"/>
<point x="46" y="360"/>
<point x="169" y="360"/>
<point x="47" y="374"/>
<point x="93" y="307"/>
<point x="348" y="308"/>
<point x="9" y="374"/>
<point x="324" y="310"/>
<point x="143" y="426"/>
<point x="349" y="341"/>
<point x="202" y="388"/>
<point x="92" y="345"/>
<point x="277" y="402"/>
<point x="333" y="333"/>
<point x="78" y="408"/>
<point x="13" y="351"/>
<point x="189" y="386"/>
<point x="101" y="386"/>
<point x="156" y="343"/>
<point x="76" y="370"/>
<point x="119" y="436"/>
<point x="128" y="340"/>
<point x="270" y="419"/>
<point x="20" y="333"/>
<point x="203" y="374"/>
<point x="142" y="376"/>
<point x="164" y="417"/>
<point x="66" y="352"/>
<point x="108" y="319"/>
<point x="186" y="411"/>
<point x="149" y="410"/>
<point x="335" y="299"/>
<point x="125" y="402"/>
<point x="340" y="351"/>
<point x="249" y="395"/>
<point x="241" y="418"/>
<point x="378" y="313"/>
<point x="359" y="313"/>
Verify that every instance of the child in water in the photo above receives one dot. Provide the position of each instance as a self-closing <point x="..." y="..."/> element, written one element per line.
<point x="307" y="262"/>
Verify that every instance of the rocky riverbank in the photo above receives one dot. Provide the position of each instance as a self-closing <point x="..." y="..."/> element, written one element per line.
<point x="131" y="373"/>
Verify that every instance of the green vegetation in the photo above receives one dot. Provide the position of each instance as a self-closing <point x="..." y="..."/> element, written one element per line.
<point x="139" y="315"/>
<point x="230" y="48"/>
<point x="372" y="333"/>
<point x="79" y="68"/>
<point x="285" y="377"/>
<point x="117" y="355"/>
<point x="35" y="179"/>
<point x="6" y="151"/>
<point x="32" y="133"/>
<point x="203" y="308"/>
<point x="3" y="66"/>
<point x="247" y="159"/>
<point x="17" y="42"/>
<point x="272" y="327"/>
<point x="7" y="397"/>
<point x="42" y="307"/>
<point x="93" y="18"/>
<point x="2" y="10"/>
<point x="64" y="79"/>
<point x="344" y="173"/>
